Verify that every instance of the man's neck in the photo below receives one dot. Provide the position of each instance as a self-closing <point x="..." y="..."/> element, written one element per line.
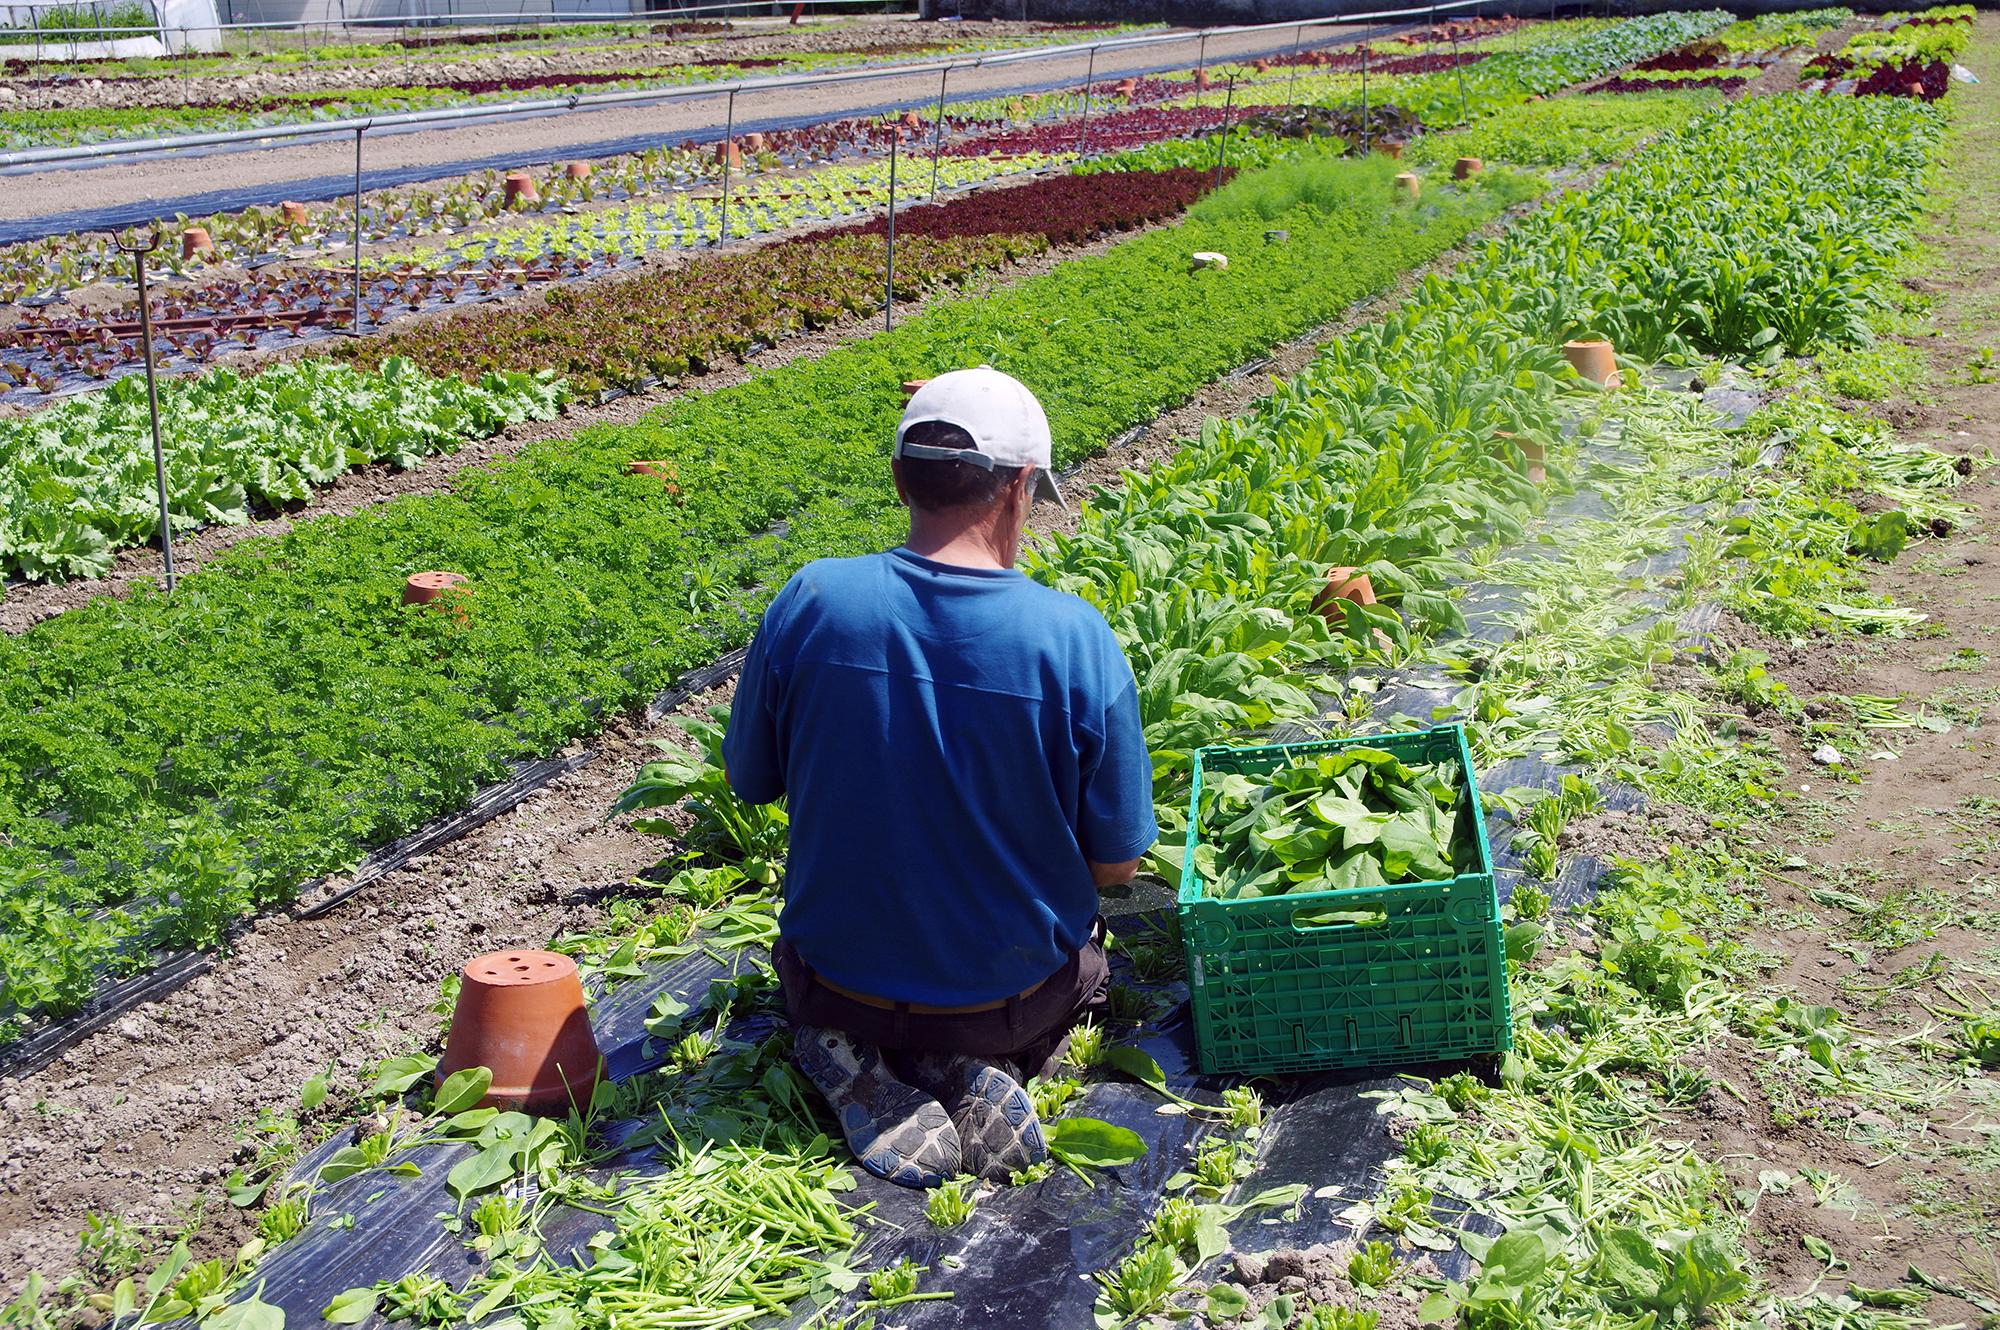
<point x="951" y="539"/>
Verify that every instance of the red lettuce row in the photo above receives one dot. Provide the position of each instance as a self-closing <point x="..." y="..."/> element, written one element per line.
<point x="1064" y="210"/>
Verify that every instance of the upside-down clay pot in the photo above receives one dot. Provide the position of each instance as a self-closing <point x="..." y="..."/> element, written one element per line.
<point x="910" y="386"/>
<point x="521" y="1015"/>
<point x="911" y="120"/>
<point x="665" y="470"/>
<point x="1534" y="457"/>
<point x="1343" y="584"/>
<point x="1126" y="88"/>
<point x="295" y="213"/>
<point x="1390" y="150"/>
<point x="520" y="188"/>
<point x="195" y="241"/>
<point x="1408" y="186"/>
<point x="754" y="142"/>
<point x="1465" y="167"/>
<point x="730" y="154"/>
<point x="577" y="170"/>
<point x="443" y="592"/>
<point x="1594" y="361"/>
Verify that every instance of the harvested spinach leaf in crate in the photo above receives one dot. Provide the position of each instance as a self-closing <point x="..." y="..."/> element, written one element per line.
<point x="1359" y="817"/>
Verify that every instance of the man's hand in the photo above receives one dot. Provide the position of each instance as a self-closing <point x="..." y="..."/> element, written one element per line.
<point x="1110" y="875"/>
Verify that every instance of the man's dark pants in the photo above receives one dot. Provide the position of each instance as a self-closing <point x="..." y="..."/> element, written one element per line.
<point x="1026" y="1031"/>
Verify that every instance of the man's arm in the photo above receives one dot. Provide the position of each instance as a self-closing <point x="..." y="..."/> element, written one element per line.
<point x="1111" y="875"/>
<point x="750" y="749"/>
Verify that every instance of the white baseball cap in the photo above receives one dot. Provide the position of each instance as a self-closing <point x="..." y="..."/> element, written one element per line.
<point x="1007" y="424"/>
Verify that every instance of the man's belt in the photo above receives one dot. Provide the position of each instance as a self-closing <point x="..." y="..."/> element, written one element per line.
<point x="921" y="1009"/>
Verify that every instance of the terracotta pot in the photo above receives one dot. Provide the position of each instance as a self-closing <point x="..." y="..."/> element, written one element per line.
<point x="1594" y="361"/>
<point x="1536" y="97"/>
<point x="663" y="469"/>
<point x="195" y="241"/>
<point x="1408" y="185"/>
<point x="294" y="213"/>
<point x="1534" y="457"/>
<point x="520" y="188"/>
<point x="1127" y="88"/>
<point x="910" y="386"/>
<point x="577" y="170"/>
<point x="521" y="1014"/>
<point x="1201" y="80"/>
<point x="729" y="153"/>
<point x="911" y="120"/>
<point x="1390" y="150"/>
<point x="1261" y="66"/>
<point x="754" y="142"/>
<point x="1344" y="584"/>
<point x="1465" y="167"/>
<point x="431" y="588"/>
<point x="1916" y="89"/>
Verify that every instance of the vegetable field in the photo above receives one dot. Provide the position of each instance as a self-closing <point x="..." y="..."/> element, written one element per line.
<point x="1712" y="631"/>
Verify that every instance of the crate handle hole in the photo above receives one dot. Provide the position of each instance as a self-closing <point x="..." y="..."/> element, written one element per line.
<point x="1320" y="918"/>
<point x="1468" y="912"/>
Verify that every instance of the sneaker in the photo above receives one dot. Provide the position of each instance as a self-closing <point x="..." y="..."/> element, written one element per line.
<point x="998" y="1132"/>
<point x="897" y="1131"/>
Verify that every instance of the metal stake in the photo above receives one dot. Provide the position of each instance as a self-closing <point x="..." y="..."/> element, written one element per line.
<point x="1367" y="134"/>
<point x="1200" y="65"/>
<point x="889" y="283"/>
<point x="937" y="133"/>
<point x="1292" y="95"/>
<point x="728" y="138"/>
<point x="1464" y="116"/>
<point x="1222" y="149"/>
<point x="1083" y="127"/>
<point x="357" y="229"/>
<point x="139" y="252"/>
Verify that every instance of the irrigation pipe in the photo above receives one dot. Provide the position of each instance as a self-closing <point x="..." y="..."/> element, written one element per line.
<point x="444" y="116"/>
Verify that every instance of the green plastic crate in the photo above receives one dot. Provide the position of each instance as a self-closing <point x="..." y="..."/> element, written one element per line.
<point x="1426" y="984"/>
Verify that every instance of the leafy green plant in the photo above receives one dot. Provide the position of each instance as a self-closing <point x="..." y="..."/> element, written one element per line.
<point x="750" y="836"/>
<point x="1086" y="1045"/>
<point x="1373" y="1266"/>
<point x="952" y="1204"/>
<point x="1357" y="817"/>
<point x="1139" y="1286"/>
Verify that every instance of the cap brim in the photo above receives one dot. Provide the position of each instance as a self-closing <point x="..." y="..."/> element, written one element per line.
<point x="1047" y="489"/>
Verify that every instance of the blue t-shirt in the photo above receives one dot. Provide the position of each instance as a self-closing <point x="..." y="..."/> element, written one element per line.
<point x="955" y="743"/>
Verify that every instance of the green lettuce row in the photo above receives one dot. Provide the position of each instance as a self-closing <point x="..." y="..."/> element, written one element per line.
<point x="77" y="479"/>
<point x="1390" y="450"/>
<point x="282" y="712"/>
